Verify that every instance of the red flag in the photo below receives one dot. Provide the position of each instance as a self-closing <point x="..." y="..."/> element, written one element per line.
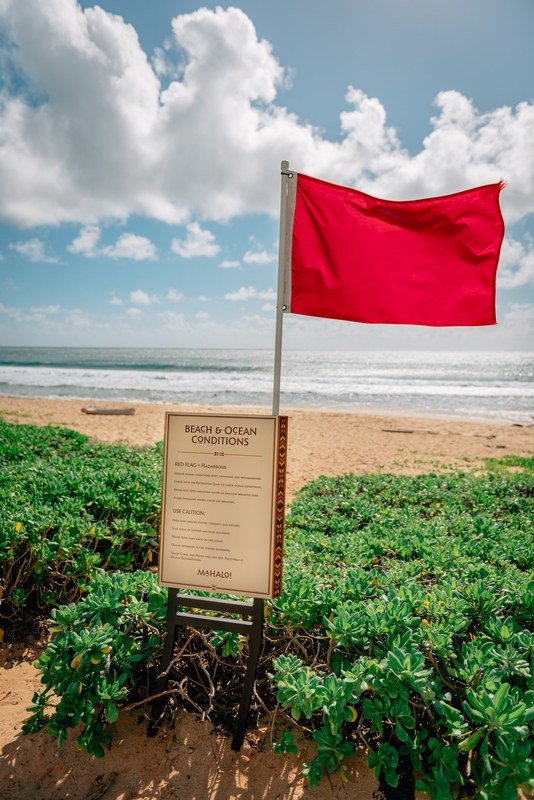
<point x="413" y="262"/>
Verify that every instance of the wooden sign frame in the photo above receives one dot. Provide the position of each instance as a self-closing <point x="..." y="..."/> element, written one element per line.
<point x="266" y="495"/>
<point x="223" y="503"/>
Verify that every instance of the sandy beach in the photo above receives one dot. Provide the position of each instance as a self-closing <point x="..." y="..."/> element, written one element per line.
<point x="319" y="442"/>
<point x="190" y="762"/>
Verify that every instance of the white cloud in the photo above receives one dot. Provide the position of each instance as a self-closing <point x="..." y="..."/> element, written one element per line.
<point x="229" y="264"/>
<point x="41" y="315"/>
<point x="141" y="298"/>
<point x="20" y="315"/>
<point x="516" y="266"/>
<point x="77" y="318"/>
<point x="173" y="321"/>
<point x="247" y="292"/>
<point x="203" y="298"/>
<point x="174" y="295"/>
<point x="128" y="245"/>
<point x="106" y="141"/>
<point x="518" y="322"/>
<point x="243" y="293"/>
<point x="131" y="246"/>
<point x="268" y="307"/>
<point x="196" y="243"/>
<point x="85" y="243"/>
<point x="50" y="309"/>
<point x="115" y="301"/>
<point x="259" y="257"/>
<point x="9" y="311"/>
<point x="267" y="294"/>
<point x="34" y="250"/>
<point x="202" y="315"/>
<point x="514" y="332"/>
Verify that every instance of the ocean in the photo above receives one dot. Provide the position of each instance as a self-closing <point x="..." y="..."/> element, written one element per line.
<point x="482" y="385"/>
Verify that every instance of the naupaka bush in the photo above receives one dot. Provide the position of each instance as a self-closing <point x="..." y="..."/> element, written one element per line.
<point x="71" y="506"/>
<point x="406" y="623"/>
<point x="423" y="588"/>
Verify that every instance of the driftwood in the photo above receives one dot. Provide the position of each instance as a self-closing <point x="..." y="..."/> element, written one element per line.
<point x="409" y="430"/>
<point x="97" y="410"/>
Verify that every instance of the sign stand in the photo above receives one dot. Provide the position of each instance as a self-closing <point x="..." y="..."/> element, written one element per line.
<point x="252" y="628"/>
<point x="255" y="609"/>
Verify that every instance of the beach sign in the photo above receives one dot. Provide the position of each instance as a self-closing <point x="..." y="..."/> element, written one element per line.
<point x="223" y="503"/>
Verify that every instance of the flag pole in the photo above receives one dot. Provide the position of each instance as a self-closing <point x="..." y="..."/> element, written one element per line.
<point x="280" y="294"/>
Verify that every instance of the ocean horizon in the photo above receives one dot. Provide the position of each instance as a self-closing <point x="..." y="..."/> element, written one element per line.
<point x="481" y="385"/>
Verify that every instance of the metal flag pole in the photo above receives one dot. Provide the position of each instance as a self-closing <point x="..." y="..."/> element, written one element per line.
<point x="280" y="296"/>
<point x="254" y="609"/>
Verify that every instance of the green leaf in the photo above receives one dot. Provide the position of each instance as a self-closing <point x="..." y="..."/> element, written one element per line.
<point x="112" y="712"/>
<point x="471" y="742"/>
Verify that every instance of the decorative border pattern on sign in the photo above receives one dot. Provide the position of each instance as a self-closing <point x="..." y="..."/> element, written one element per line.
<point x="280" y="507"/>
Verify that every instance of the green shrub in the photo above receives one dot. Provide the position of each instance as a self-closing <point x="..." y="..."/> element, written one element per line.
<point x="406" y="621"/>
<point x="422" y="595"/>
<point x="70" y="506"/>
<point x="95" y="660"/>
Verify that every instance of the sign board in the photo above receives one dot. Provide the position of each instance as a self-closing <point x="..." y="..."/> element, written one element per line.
<point x="222" y="521"/>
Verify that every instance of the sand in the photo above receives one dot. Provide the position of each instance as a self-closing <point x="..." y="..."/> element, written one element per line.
<point x="191" y="762"/>
<point x="187" y="762"/>
<point x="319" y="442"/>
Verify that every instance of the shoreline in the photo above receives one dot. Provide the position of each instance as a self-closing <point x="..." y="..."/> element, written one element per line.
<point x="320" y="442"/>
<point x="506" y="419"/>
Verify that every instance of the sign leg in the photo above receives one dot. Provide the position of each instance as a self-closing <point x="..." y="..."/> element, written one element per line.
<point x="255" y="642"/>
<point x="161" y="683"/>
<point x="254" y="629"/>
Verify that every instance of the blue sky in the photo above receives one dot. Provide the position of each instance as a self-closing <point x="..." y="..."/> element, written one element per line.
<point x="140" y="146"/>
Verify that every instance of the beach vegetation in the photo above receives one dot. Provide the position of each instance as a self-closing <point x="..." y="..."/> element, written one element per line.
<point x="405" y="626"/>
<point x="423" y="590"/>
<point x="70" y="507"/>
